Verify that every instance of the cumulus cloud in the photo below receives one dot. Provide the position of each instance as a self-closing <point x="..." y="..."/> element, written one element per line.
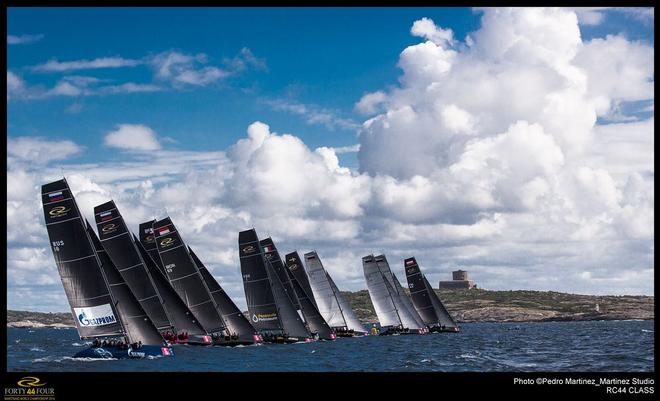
<point x="369" y="104"/>
<point x="132" y="137"/>
<point x="488" y="155"/>
<point x="428" y="30"/>
<point x="39" y="150"/>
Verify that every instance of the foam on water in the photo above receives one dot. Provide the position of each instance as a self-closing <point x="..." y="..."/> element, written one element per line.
<point x="547" y="346"/>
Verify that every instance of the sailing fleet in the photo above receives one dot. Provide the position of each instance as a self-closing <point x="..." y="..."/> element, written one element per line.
<point x="138" y="296"/>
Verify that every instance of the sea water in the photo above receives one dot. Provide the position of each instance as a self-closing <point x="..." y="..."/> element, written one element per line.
<point x="479" y="347"/>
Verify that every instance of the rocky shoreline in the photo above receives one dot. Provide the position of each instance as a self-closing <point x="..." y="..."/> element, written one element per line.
<point x="466" y="306"/>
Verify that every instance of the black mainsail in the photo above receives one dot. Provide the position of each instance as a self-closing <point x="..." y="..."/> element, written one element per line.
<point x="236" y="322"/>
<point x="136" y="323"/>
<point x="185" y="277"/>
<point x="426" y="301"/>
<point x="148" y="241"/>
<point x="181" y="317"/>
<point x="296" y="267"/>
<point x="313" y="319"/>
<point x="273" y="256"/>
<point x="85" y="286"/>
<point x="118" y="243"/>
<point x="271" y="311"/>
<point x="331" y="304"/>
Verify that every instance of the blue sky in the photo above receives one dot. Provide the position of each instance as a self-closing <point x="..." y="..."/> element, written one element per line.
<point x="516" y="144"/>
<point x="323" y="57"/>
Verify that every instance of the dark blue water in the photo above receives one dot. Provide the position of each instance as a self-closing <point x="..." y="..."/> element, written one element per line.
<point x="549" y="346"/>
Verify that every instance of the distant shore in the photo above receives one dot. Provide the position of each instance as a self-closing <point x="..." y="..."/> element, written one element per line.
<point x="474" y="305"/>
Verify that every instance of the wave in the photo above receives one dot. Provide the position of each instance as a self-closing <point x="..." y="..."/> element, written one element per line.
<point x="647" y="331"/>
<point x="37" y="349"/>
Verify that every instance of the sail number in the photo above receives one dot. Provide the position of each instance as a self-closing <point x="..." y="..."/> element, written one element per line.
<point x="170" y="267"/>
<point x="57" y="245"/>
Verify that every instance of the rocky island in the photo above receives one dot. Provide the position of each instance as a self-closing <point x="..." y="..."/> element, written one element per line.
<point x="473" y="305"/>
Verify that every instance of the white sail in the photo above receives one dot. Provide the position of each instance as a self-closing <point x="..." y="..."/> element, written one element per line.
<point x="407" y="311"/>
<point x="381" y="294"/>
<point x="323" y="292"/>
<point x="352" y="322"/>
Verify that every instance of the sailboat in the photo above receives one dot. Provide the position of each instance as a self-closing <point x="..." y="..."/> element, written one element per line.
<point x="103" y="307"/>
<point x="162" y="304"/>
<point x="392" y="313"/>
<point x="313" y="318"/>
<point x="331" y="304"/>
<point x="384" y="267"/>
<point x="236" y="322"/>
<point x="426" y="301"/>
<point x="185" y="276"/>
<point x="270" y="307"/>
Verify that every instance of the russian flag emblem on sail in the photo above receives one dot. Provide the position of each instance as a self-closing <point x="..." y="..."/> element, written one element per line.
<point x="268" y="248"/>
<point x="55" y="196"/>
<point x="409" y="262"/>
<point x="106" y="215"/>
<point x="163" y="231"/>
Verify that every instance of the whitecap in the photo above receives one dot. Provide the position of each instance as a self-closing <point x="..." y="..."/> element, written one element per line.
<point x="647" y="331"/>
<point x="37" y="349"/>
<point x="425" y="360"/>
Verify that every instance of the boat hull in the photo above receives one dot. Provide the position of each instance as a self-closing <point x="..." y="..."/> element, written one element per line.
<point x="106" y="352"/>
<point x="438" y="329"/>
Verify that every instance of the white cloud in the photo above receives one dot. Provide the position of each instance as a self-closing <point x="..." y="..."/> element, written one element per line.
<point x="313" y="114"/>
<point x="132" y="137"/>
<point x="39" y="150"/>
<point x="428" y="30"/>
<point x="485" y="156"/>
<point x="185" y="69"/>
<point x="369" y="104"/>
<point x="103" y="62"/>
<point x="15" y="85"/>
<point x="23" y="39"/>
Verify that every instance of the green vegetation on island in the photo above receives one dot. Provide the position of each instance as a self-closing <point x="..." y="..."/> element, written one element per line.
<point x="475" y="305"/>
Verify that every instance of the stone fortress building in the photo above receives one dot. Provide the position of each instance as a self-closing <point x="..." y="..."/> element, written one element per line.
<point x="460" y="281"/>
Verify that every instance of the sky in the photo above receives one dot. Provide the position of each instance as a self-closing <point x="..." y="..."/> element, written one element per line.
<point x="516" y="144"/>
